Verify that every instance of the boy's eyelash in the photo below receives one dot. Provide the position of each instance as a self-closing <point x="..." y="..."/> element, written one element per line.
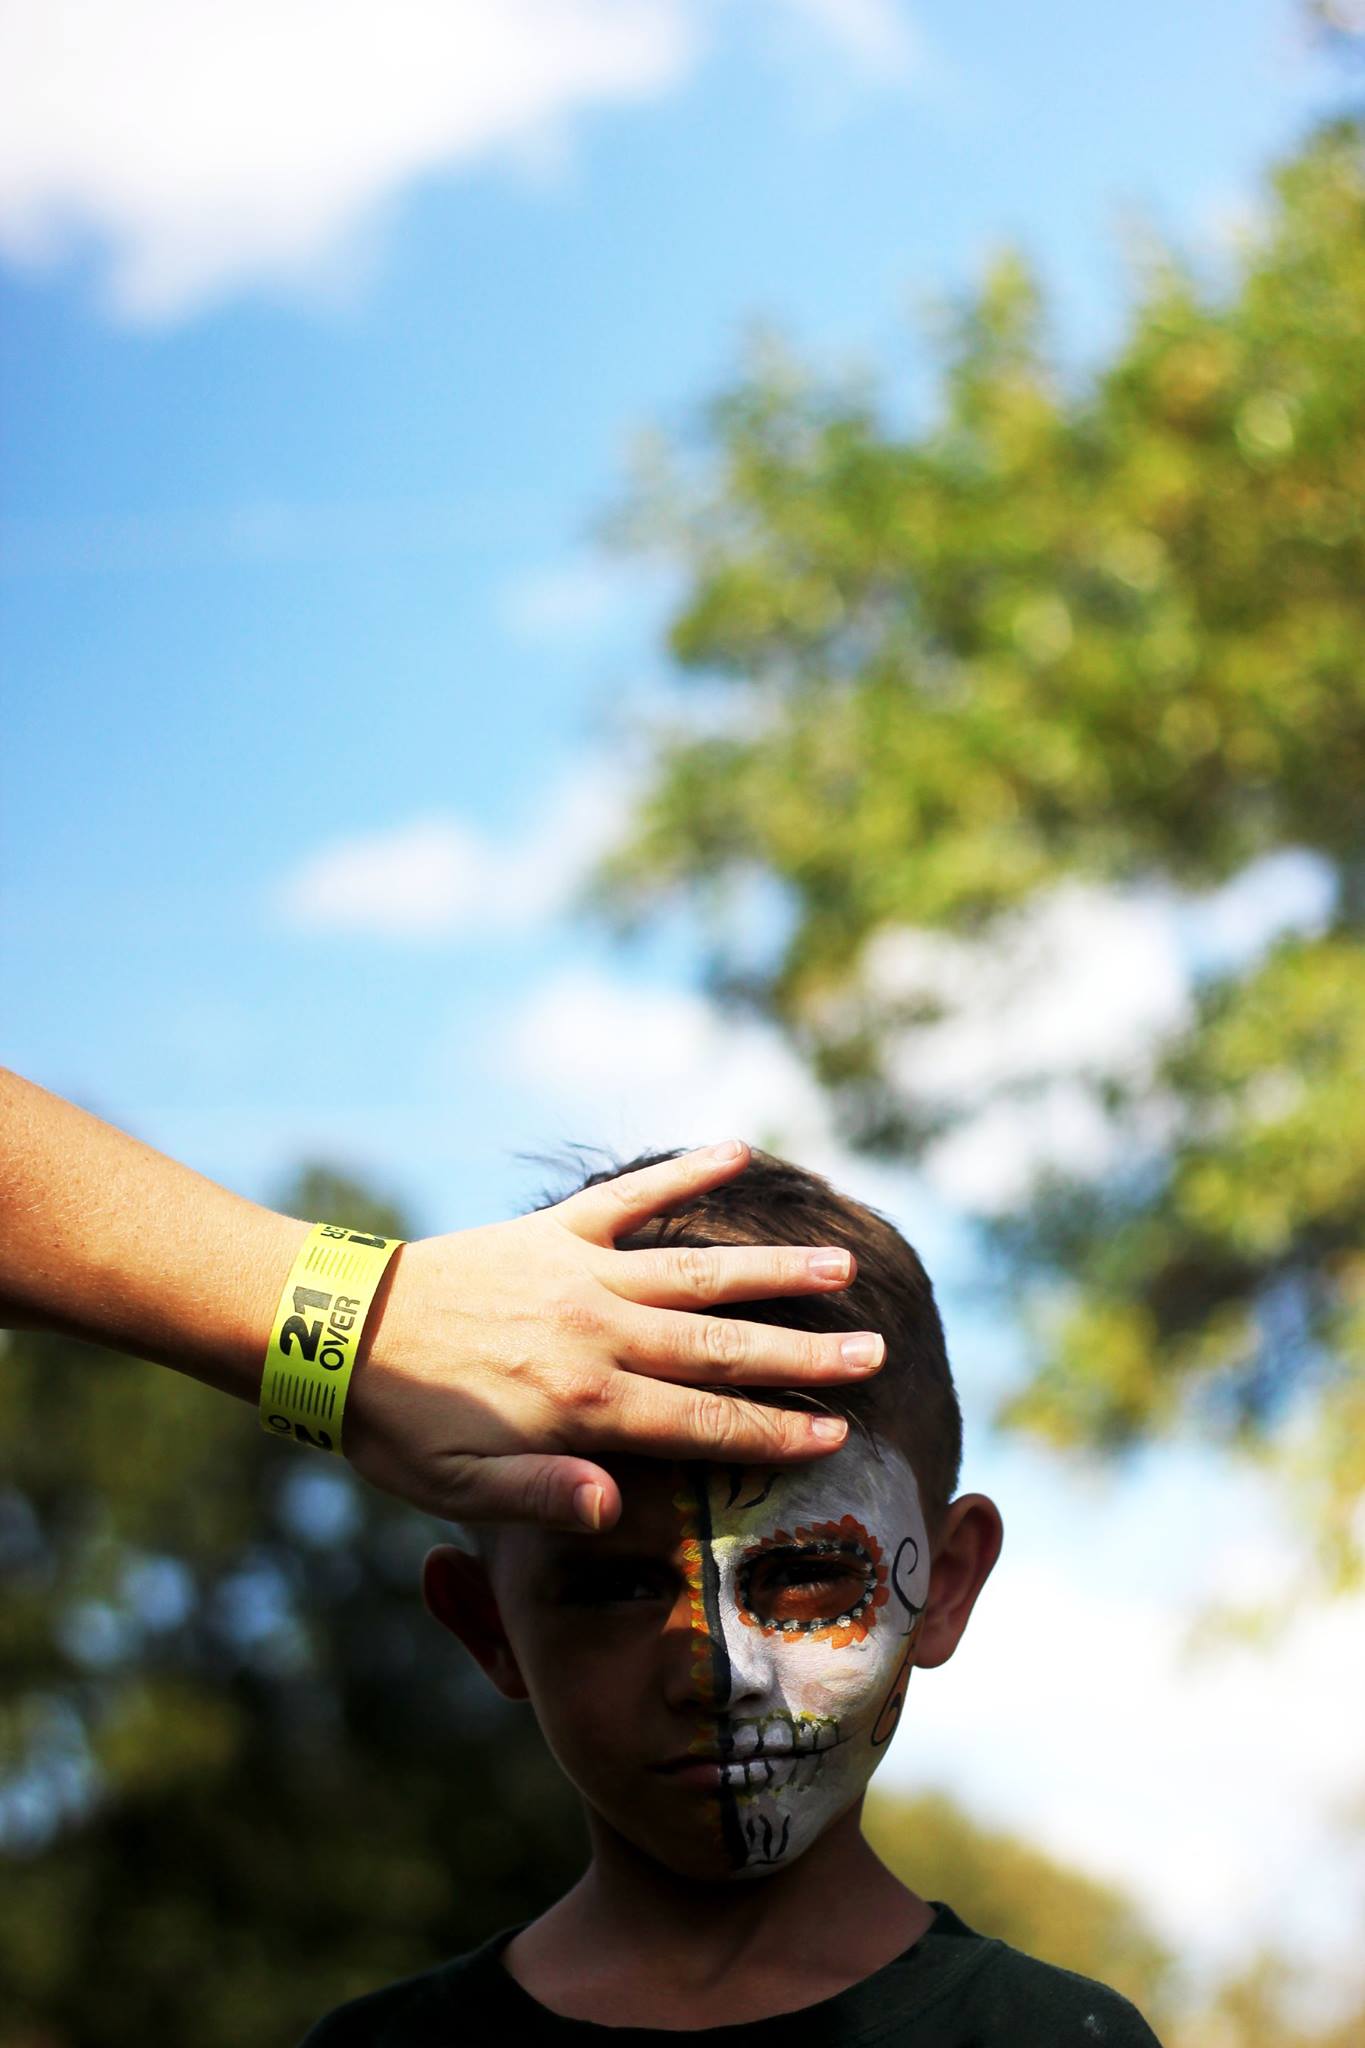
<point x="808" y="1571"/>
<point x="801" y="1591"/>
<point x="606" y="1585"/>
<point x="821" y="1563"/>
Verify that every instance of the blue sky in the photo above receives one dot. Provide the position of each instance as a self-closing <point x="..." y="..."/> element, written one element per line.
<point x="323" y="347"/>
<point x="298" y="550"/>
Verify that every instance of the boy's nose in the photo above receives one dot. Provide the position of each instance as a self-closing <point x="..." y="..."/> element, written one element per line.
<point x="747" y="1667"/>
<point x="714" y="1660"/>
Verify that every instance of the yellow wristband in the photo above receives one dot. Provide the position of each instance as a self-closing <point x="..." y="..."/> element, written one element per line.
<point x="318" y="1327"/>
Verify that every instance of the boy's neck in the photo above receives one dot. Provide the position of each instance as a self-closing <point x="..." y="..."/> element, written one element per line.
<point x="633" y="1944"/>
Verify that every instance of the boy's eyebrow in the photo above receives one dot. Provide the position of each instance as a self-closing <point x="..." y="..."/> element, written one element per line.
<point x="580" y="1551"/>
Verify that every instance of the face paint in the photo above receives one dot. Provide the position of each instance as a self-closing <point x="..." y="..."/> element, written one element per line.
<point x="805" y="1591"/>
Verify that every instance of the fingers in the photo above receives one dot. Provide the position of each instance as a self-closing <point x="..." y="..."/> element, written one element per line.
<point x="659" y="1421"/>
<point x="718" y="1350"/>
<point x="616" y="1206"/>
<point x="685" y="1276"/>
<point x="554" y="1492"/>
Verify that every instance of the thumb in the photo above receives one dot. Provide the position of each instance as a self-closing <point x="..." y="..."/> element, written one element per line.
<point x="555" y="1493"/>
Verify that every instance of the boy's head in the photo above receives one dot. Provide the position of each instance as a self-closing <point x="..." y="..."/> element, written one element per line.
<point x="721" y="1672"/>
<point x="912" y="1400"/>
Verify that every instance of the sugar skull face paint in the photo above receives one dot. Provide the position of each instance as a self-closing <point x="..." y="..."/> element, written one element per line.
<point x="805" y="1592"/>
<point x="720" y="1673"/>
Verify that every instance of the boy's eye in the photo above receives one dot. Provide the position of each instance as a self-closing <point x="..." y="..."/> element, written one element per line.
<point x="805" y="1587"/>
<point x="609" y="1582"/>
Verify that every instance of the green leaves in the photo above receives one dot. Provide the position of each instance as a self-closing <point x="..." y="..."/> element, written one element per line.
<point x="1111" y="634"/>
<point x="239" y="1764"/>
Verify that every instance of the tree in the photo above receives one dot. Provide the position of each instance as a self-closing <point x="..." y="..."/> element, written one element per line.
<point x="243" y="1776"/>
<point x="1101" y="634"/>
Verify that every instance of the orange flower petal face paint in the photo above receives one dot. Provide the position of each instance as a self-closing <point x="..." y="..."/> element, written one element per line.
<point x="806" y="1587"/>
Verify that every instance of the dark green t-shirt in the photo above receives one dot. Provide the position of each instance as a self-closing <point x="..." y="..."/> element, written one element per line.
<point x="953" y="1989"/>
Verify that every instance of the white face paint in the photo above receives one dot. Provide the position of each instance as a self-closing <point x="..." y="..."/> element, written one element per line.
<point x="807" y="1585"/>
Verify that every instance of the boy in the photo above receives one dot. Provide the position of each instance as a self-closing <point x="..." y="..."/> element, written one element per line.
<point x="719" y="1675"/>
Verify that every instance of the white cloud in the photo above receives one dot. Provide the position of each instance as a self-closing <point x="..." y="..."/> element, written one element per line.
<point x="200" y="148"/>
<point x="875" y="34"/>
<point x="1086" y="976"/>
<point x="1085" y="981"/>
<point x="988" y="1163"/>
<point x="588" y="599"/>
<point x="1289" y="891"/>
<point x="420" y="880"/>
<point x="437" y="877"/>
<point x="1088" y="982"/>
<point x="633" y="1067"/>
<point x="834" y="55"/>
<point x="263" y="531"/>
<point x="650" y="1066"/>
<point x="207" y="146"/>
<point x="569" y="600"/>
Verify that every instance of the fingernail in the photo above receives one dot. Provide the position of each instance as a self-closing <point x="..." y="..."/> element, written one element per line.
<point x="729" y="1148"/>
<point x="828" y="1265"/>
<point x="832" y="1428"/>
<point x="863" y="1350"/>
<point x="587" y="1504"/>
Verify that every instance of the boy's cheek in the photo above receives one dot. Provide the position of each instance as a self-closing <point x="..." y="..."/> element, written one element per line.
<point x="584" y="1688"/>
<point x="847" y="1686"/>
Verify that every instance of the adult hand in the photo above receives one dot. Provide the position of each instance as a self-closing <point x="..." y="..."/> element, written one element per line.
<point x="504" y="1358"/>
<point x="497" y="1361"/>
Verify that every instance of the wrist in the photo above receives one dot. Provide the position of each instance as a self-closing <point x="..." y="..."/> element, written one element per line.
<point x="386" y="1342"/>
<point x="320" y="1328"/>
<point x="269" y="1245"/>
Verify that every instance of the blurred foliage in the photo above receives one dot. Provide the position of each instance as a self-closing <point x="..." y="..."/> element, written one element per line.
<point x="1257" y="2010"/>
<point x="243" y="1775"/>
<point x="1339" y="25"/>
<point x="1007" y="1888"/>
<point x="1004" y="1887"/>
<point x="1104" y="632"/>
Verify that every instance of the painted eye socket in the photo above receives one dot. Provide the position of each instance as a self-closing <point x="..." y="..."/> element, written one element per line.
<point x="798" y="1590"/>
<point x="610" y="1583"/>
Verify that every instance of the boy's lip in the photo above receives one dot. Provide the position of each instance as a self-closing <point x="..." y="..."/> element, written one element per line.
<point x="762" y="1750"/>
<point x="710" y="1769"/>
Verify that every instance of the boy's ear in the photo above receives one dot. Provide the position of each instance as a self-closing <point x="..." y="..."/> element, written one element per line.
<point x="459" y="1593"/>
<point x="967" y="1547"/>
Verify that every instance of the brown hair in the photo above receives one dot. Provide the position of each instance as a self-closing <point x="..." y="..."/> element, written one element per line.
<point x="912" y="1399"/>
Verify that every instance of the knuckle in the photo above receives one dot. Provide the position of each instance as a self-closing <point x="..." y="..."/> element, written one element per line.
<point x="457" y="1482"/>
<point x="622" y="1190"/>
<point x="576" y="1399"/>
<point x="576" y="1316"/>
<point x="766" y="1430"/>
<point x="517" y="1369"/>
<point x="713" y="1419"/>
<point x="541" y="1494"/>
<point x="583" y="1390"/>
<point x="695" y="1269"/>
<point x="724" y="1345"/>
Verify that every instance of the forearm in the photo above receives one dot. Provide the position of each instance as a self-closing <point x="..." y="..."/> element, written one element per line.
<point x="105" y="1239"/>
<point x="496" y="1363"/>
